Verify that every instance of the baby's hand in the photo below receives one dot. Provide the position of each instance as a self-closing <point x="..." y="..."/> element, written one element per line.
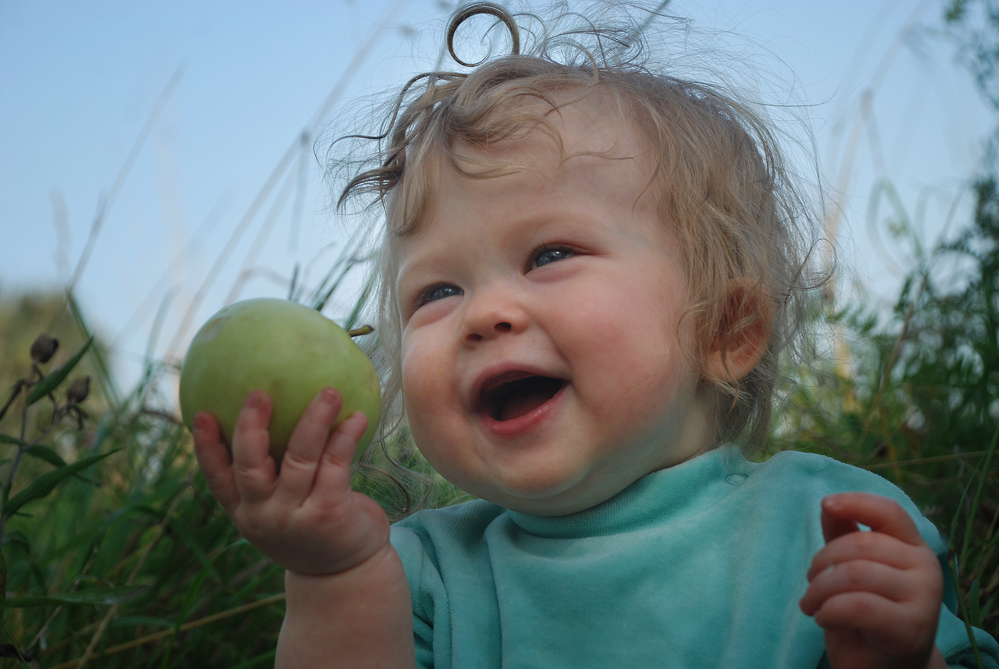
<point x="308" y="519"/>
<point x="876" y="594"/>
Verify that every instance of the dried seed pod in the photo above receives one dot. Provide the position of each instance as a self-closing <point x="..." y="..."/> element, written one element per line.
<point x="78" y="390"/>
<point x="43" y="348"/>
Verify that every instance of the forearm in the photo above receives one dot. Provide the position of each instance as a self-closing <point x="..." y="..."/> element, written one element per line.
<point x="358" y="618"/>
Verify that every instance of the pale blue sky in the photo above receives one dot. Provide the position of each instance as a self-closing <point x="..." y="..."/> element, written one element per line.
<point x="79" y="80"/>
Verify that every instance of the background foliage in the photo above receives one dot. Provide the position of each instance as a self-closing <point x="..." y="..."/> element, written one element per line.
<point x="117" y="555"/>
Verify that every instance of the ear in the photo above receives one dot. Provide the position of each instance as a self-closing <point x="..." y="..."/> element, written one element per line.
<point x="743" y="332"/>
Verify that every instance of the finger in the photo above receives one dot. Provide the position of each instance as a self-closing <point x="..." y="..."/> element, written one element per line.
<point x="855" y="576"/>
<point x="333" y="477"/>
<point x="869" y="546"/>
<point x="884" y="624"/>
<point x="879" y="513"/>
<point x="857" y="610"/>
<point x="214" y="459"/>
<point x="252" y="464"/>
<point x="342" y="444"/>
<point x="834" y="527"/>
<point x="305" y="447"/>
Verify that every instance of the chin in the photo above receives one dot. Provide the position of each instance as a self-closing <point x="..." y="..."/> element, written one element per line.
<point x="551" y="507"/>
<point x="546" y="498"/>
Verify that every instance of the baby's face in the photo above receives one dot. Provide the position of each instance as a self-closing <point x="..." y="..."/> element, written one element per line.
<point x="543" y="341"/>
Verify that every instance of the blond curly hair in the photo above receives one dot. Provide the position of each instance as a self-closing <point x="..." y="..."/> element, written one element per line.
<point x="726" y="193"/>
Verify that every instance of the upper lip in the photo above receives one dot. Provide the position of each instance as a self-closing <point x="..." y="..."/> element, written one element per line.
<point x="496" y="375"/>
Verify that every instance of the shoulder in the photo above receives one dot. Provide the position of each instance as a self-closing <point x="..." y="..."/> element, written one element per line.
<point x="462" y="517"/>
<point x="448" y="528"/>
<point x="794" y="470"/>
<point x="435" y="543"/>
<point x="805" y="478"/>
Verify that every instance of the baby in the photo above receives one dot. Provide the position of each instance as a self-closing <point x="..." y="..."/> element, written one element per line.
<point x="589" y="275"/>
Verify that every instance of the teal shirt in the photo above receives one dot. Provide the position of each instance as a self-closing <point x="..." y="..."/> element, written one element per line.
<point x="697" y="565"/>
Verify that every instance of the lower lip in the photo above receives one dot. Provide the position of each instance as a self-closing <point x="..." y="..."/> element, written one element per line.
<point x="521" y="424"/>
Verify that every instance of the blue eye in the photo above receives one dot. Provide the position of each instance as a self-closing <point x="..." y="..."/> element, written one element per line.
<point x="438" y="291"/>
<point x="549" y="254"/>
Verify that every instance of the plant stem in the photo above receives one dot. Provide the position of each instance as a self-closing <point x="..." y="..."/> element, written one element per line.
<point x="963" y="608"/>
<point x="16" y="649"/>
<point x="978" y="496"/>
<point x="183" y="628"/>
<point x="113" y="611"/>
<point x="363" y="330"/>
<point x="22" y="447"/>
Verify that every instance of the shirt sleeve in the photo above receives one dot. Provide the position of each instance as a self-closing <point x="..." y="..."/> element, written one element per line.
<point x="427" y="591"/>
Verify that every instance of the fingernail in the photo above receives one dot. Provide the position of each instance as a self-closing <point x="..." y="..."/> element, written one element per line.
<point x="328" y="395"/>
<point x="198" y="422"/>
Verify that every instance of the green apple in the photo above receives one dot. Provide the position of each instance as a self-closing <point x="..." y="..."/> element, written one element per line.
<point x="285" y="349"/>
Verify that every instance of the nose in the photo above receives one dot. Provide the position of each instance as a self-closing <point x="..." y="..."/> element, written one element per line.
<point x="492" y="313"/>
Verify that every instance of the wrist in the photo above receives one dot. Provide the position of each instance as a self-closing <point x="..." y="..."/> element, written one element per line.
<point x="361" y="616"/>
<point x="383" y="568"/>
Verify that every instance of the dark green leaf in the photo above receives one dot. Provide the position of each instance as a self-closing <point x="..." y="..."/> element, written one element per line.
<point x="195" y="547"/>
<point x="93" y="597"/>
<point x="47" y="454"/>
<point x="974" y="604"/>
<point x="52" y="381"/>
<point x="50" y="456"/>
<point x="17" y="537"/>
<point x="3" y="583"/>
<point x="47" y="482"/>
<point x="260" y="660"/>
<point x="143" y="621"/>
<point x="987" y="608"/>
<point x="5" y="439"/>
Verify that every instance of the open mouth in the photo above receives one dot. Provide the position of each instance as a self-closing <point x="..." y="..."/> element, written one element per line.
<point x="512" y="398"/>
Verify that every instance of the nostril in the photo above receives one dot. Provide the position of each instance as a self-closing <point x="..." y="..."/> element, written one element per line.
<point x="504" y="327"/>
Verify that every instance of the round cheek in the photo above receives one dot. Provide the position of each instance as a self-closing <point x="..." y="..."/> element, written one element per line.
<point x="437" y="422"/>
<point x="427" y="397"/>
<point x="642" y="367"/>
<point x="417" y="380"/>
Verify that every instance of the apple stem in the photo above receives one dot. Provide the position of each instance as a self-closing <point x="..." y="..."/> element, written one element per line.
<point x="363" y="330"/>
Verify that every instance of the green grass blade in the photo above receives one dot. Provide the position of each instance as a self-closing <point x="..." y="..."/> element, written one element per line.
<point x="92" y="597"/>
<point x="47" y="482"/>
<point x="17" y="537"/>
<point x="3" y="583"/>
<point x="978" y="495"/>
<point x="974" y="609"/>
<point x="52" y="381"/>
<point x="987" y="607"/>
<point x="962" y="609"/>
<point x="267" y="657"/>
<point x="45" y="453"/>
<point x="17" y="650"/>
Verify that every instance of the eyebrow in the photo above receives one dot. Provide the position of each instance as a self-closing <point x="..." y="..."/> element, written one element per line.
<point x="406" y="268"/>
